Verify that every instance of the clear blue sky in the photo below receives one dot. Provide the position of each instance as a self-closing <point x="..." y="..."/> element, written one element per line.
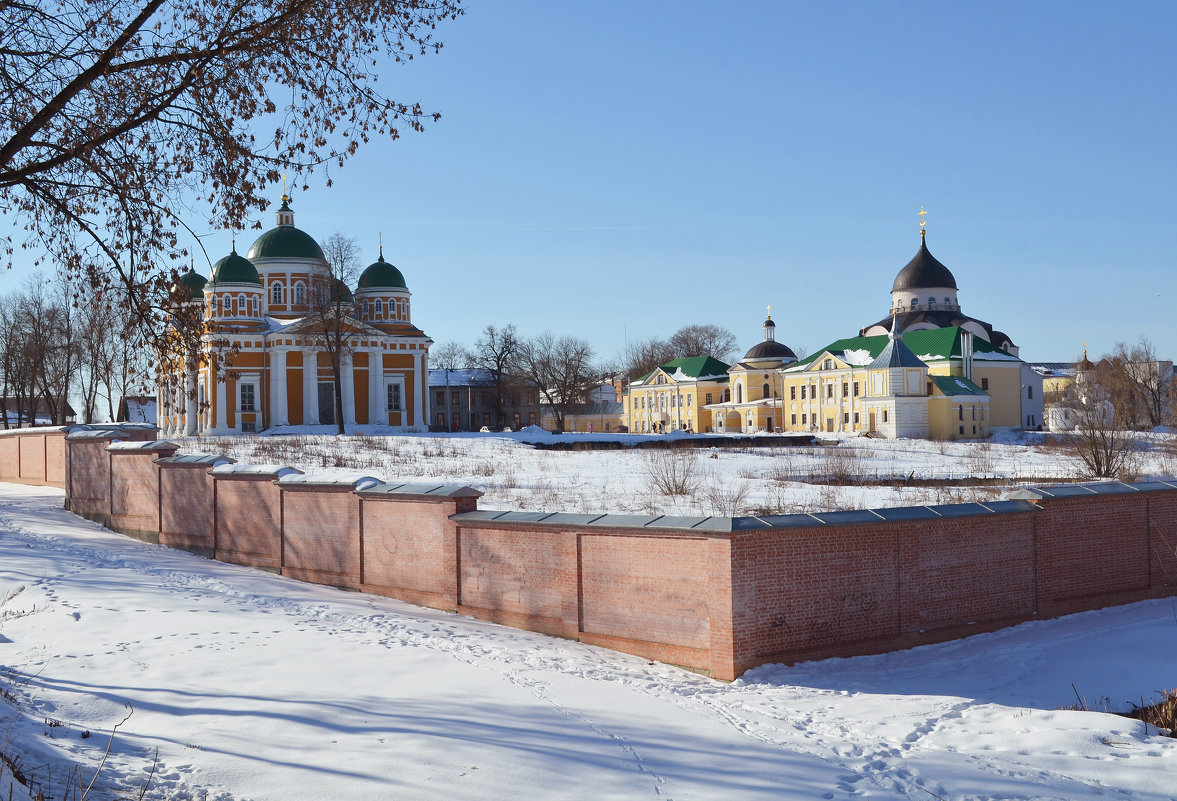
<point x="617" y="169"/>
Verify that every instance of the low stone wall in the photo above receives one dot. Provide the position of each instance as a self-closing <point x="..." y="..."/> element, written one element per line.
<point x="718" y="595"/>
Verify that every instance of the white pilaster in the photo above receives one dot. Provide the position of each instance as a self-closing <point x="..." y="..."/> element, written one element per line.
<point x="190" y="410"/>
<point x="422" y="391"/>
<point x="377" y="402"/>
<point x="279" y="409"/>
<point x="310" y="384"/>
<point x="348" y="379"/>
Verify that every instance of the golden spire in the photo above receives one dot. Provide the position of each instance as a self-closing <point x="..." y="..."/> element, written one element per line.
<point x="285" y="196"/>
<point x="923" y="221"/>
<point x="770" y="311"/>
<point x="380" y="239"/>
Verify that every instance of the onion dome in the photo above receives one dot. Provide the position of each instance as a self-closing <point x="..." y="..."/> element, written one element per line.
<point x="382" y="275"/>
<point x="923" y="271"/>
<point x="234" y="269"/>
<point x="286" y="241"/>
<point x="190" y="286"/>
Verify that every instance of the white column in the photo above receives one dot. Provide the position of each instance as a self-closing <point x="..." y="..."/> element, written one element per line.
<point x="221" y="418"/>
<point x="377" y="403"/>
<point x="422" y="391"/>
<point x="279" y="413"/>
<point x="310" y="385"/>
<point x="190" y="410"/>
<point x="347" y="378"/>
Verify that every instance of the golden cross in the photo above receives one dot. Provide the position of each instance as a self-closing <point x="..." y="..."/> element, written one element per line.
<point x="923" y="215"/>
<point x="770" y="311"/>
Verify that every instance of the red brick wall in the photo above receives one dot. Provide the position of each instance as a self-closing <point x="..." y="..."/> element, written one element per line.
<point x="321" y="535"/>
<point x="10" y="457"/>
<point x="88" y="492"/>
<point x="249" y="521"/>
<point x="647" y="594"/>
<point x="32" y="457"/>
<point x="1162" y="543"/>
<point x="55" y="459"/>
<point x="1093" y="551"/>
<point x="410" y="549"/>
<point x="521" y="577"/>
<point x="134" y="492"/>
<point x="187" y="511"/>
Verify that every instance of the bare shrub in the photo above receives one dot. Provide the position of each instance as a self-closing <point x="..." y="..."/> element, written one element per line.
<point x="842" y="465"/>
<point x="726" y="499"/>
<point x="672" y="472"/>
<point x="1162" y="714"/>
<point x="981" y="460"/>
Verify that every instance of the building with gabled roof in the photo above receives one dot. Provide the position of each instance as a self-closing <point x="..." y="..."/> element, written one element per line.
<point x="675" y="396"/>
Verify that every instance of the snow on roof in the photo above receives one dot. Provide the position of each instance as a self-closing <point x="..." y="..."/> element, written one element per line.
<point x="857" y="357"/>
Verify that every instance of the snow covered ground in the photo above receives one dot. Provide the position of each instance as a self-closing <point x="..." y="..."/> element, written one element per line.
<point x="730" y="480"/>
<point x="251" y="686"/>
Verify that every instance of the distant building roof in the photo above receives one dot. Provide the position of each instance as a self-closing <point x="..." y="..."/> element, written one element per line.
<point x="469" y="377"/>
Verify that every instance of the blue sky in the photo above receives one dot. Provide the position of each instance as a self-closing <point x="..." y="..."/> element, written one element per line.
<point x="620" y="169"/>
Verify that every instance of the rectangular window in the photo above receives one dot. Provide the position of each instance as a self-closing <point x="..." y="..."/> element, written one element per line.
<point x="962" y="429"/>
<point x="792" y="419"/>
<point x="486" y="418"/>
<point x="441" y="397"/>
<point x="792" y="393"/>
<point x="248" y="397"/>
<point x="985" y="384"/>
<point x="845" y="389"/>
<point x="708" y="398"/>
<point x="829" y="390"/>
<point x="1029" y="392"/>
<point x="441" y="420"/>
<point x="856" y="418"/>
<point x="884" y="415"/>
<point x="974" y="412"/>
<point x="856" y="389"/>
<point x="845" y="417"/>
<point x="960" y="414"/>
<point x="454" y="395"/>
<point x="803" y="419"/>
<point x="929" y="387"/>
<point x="803" y="393"/>
<point x="392" y="394"/>
<point x="688" y="400"/>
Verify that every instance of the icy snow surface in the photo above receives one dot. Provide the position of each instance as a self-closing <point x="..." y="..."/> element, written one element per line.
<point x="252" y="686"/>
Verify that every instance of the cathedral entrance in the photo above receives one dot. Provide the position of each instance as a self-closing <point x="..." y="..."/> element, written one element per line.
<point x="326" y="403"/>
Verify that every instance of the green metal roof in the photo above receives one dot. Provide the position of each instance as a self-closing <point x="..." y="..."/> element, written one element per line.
<point x="936" y="343"/>
<point x="696" y="367"/>
<point x="956" y="385"/>
<point x="382" y="275"/>
<point x="286" y="242"/>
<point x="191" y="283"/>
<point x="233" y="269"/>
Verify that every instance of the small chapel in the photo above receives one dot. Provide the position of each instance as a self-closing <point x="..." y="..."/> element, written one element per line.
<point x="263" y="361"/>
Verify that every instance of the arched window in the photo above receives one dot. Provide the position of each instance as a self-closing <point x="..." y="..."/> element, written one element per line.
<point x="727" y="396"/>
<point x="947" y="303"/>
<point x="899" y="304"/>
<point x="365" y="308"/>
<point x="276" y="294"/>
<point x="932" y="304"/>
<point x="300" y="294"/>
<point x="241" y="305"/>
<point x="764" y="389"/>
<point x="216" y="306"/>
<point x="253" y="305"/>
<point x="226" y="305"/>
<point x="404" y="309"/>
<point x="915" y="303"/>
<point x="379" y="307"/>
<point x="739" y="393"/>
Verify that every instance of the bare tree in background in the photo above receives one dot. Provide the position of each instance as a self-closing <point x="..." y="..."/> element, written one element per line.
<point x="449" y="356"/>
<point x="118" y="115"/>
<point x="1101" y="443"/>
<point x="645" y="356"/>
<point x="497" y="351"/>
<point x="704" y="340"/>
<point x="333" y="310"/>
<point x="1138" y="384"/>
<point x="562" y="368"/>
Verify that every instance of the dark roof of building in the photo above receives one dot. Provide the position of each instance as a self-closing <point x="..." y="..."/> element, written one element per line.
<point x="896" y="354"/>
<point x="234" y="269"/>
<point x="286" y="242"/>
<point x="941" y="318"/>
<point x="382" y="275"/>
<point x="769" y="349"/>
<point x="923" y="271"/>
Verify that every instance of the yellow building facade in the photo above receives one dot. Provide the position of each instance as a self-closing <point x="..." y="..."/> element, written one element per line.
<point x="677" y="396"/>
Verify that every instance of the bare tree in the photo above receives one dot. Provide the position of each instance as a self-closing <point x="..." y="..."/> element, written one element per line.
<point x="561" y="368"/>
<point x="333" y="309"/>
<point x="703" y="340"/>
<point x="449" y="356"/>
<point x="118" y="115"/>
<point x="1101" y="443"/>
<point x="1138" y="384"/>
<point x="497" y="351"/>
<point x="646" y="355"/>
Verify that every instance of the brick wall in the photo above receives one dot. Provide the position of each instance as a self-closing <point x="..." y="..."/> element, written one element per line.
<point x="715" y="594"/>
<point x="33" y="456"/>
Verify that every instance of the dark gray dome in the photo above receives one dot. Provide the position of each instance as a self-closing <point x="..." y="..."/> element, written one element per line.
<point x="923" y="272"/>
<point x="769" y="349"/>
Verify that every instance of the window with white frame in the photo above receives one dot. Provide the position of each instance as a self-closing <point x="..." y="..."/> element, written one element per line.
<point x="241" y="305"/>
<point x="300" y="293"/>
<point x="394" y="394"/>
<point x="379" y="307"/>
<point x="247" y="396"/>
<point x="277" y="295"/>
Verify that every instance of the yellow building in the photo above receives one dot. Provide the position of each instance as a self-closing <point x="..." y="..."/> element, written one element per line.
<point x="755" y="387"/>
<point x="262" y="360"/>
<point x="676" y="396"/>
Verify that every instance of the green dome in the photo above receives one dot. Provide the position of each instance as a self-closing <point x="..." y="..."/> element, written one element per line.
<point x="339" y="291"/>
<point x="286" y="242"/>
<point x="382" y="275"/>
<point x="234" y="270"/>
<point x="191" y="285"/>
